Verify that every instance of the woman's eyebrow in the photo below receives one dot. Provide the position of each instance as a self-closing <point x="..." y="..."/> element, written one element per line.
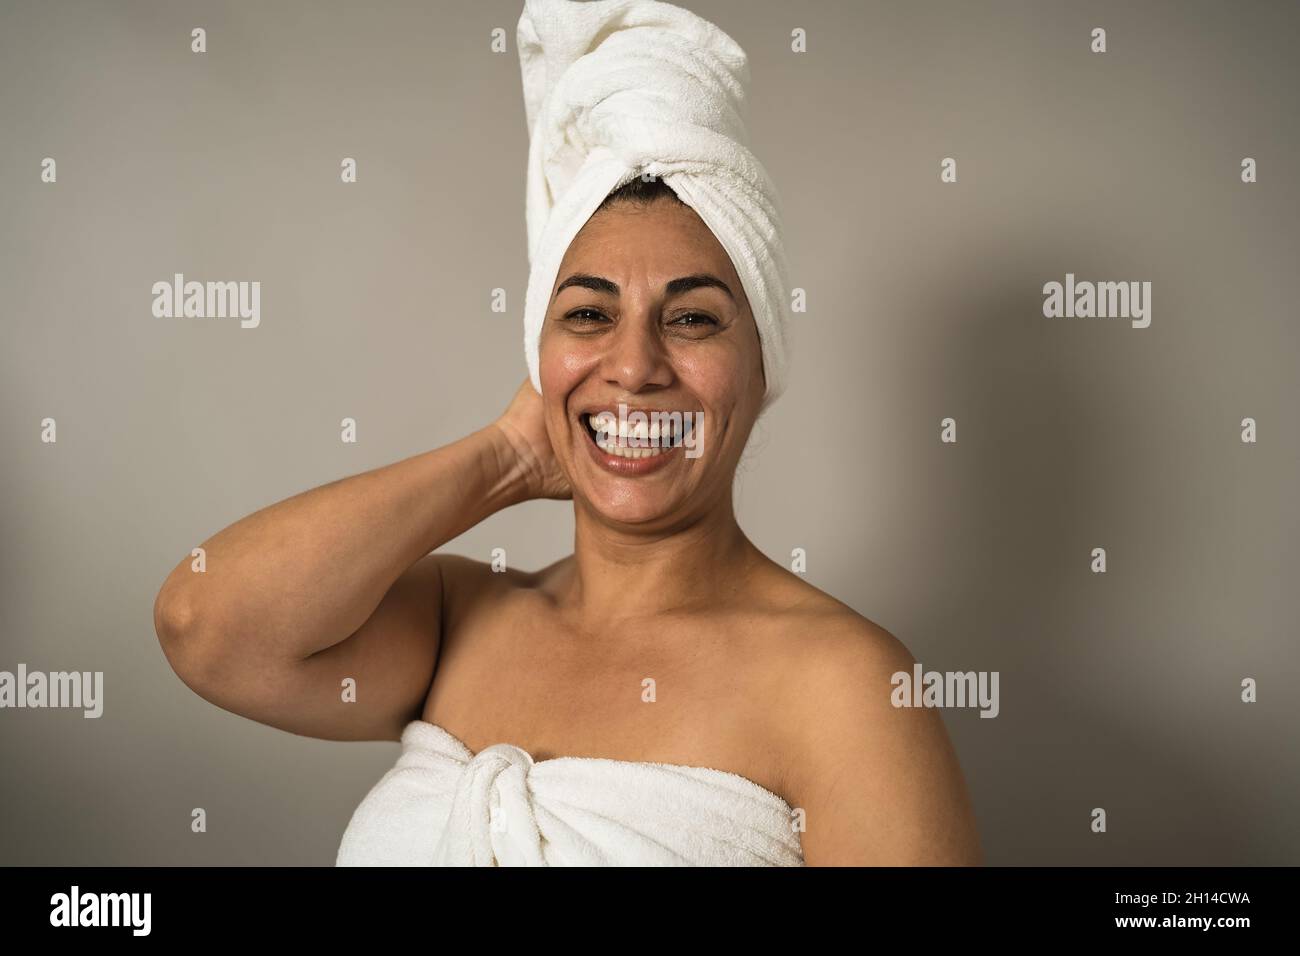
<point x="674" y="287"/>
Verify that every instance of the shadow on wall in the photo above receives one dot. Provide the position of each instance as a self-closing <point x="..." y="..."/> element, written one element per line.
<point x="1001" y="526"/>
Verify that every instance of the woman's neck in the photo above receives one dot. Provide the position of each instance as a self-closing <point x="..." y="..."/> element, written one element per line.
<point x="618" y="575"/>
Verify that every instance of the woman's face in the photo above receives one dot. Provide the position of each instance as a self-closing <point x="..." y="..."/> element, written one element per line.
<point x="623" y="328"/>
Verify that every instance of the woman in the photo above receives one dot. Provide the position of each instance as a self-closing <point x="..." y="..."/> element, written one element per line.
<point x="756" y="673"/>
<point x="666" y="694"/>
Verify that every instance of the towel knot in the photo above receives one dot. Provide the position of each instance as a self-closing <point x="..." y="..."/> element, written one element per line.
<point x="494" y="795"/>
<point x="498" y="759"/>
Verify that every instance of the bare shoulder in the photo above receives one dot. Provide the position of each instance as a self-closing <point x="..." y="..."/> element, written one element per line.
<point x="457" y="569"/>
<point x="829" y="638"/>
<point x="477" y="593"/>
<point x="878" y="784"/>
<point x="465" y="580"/>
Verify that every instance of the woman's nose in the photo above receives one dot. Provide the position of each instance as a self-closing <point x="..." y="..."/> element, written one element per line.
<point x="635" y="357"/>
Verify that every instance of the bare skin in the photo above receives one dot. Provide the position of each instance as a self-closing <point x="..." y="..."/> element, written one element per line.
<point x="754" y="670"/>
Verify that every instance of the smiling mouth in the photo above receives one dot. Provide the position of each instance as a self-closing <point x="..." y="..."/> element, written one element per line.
<point x="638" y="441"/>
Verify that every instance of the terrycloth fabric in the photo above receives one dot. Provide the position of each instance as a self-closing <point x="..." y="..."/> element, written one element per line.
<point x="442" y="805"/>
<point x="614" y="89"/>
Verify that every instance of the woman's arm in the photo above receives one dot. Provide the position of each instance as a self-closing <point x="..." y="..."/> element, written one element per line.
<point x="334" y="583"/>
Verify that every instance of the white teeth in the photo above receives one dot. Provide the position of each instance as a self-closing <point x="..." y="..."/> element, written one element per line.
<point x="613" y="436"/>
<point x="623" y="451"/>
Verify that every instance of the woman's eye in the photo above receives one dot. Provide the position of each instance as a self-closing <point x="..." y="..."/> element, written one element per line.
<point x="695" y="320"/>
<point x="585" y="316"/>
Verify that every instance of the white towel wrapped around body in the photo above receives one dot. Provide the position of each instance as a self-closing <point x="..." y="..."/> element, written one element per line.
<point x="442" y="805"/>
<point x="614" y="89"/>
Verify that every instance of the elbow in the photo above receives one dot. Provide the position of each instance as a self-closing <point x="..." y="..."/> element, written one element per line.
<point x="176" y="621"/>
<point x="173" y="615"/>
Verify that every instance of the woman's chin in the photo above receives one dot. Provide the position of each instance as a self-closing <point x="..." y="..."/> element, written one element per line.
<point x="631" y="506"/>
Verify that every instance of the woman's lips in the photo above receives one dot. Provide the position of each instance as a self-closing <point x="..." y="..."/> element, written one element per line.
<point x="627" y="467"/>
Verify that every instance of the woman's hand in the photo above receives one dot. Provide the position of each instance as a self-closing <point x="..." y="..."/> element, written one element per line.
<point x="524" y="428"/>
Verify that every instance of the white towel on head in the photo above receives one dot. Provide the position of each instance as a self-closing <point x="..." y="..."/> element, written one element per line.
<point x="614" y="89"/>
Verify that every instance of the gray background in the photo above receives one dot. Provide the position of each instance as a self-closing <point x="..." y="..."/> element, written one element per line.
<point x="1118" y="690"/>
